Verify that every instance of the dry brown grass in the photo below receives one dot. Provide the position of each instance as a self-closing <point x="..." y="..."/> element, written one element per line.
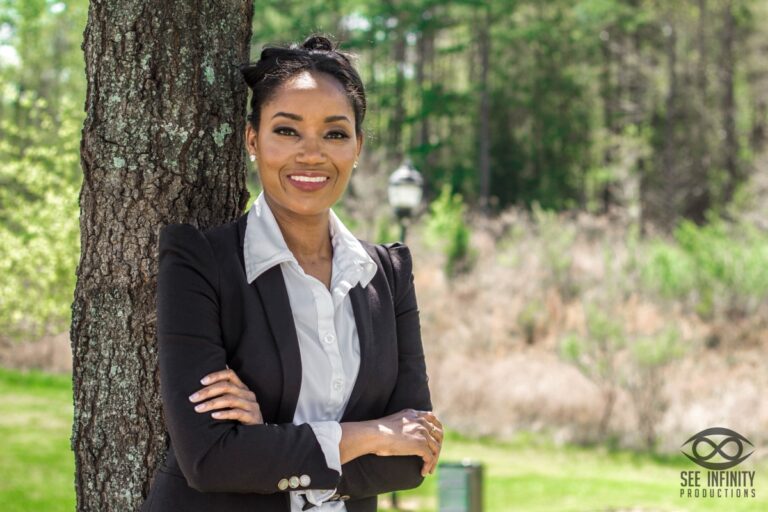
<point x="492" y="340"/>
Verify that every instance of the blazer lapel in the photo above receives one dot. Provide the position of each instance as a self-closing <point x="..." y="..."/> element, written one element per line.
<point x="361" y="305"/>
<point x="274" y="298"/>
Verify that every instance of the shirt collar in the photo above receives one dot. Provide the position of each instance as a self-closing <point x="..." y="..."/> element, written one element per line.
<point x="264" y="247"/>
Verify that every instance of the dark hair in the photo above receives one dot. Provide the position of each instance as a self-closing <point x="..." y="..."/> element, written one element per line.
<point x="317" y="53"/>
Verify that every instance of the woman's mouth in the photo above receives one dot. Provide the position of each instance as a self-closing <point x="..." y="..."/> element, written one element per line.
<point x="308" y="182"/>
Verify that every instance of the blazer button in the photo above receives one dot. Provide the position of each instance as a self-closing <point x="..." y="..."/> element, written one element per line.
<point x="282" y="484"/>
<point x="304" y="480"/>
<point x="293" y="482"/>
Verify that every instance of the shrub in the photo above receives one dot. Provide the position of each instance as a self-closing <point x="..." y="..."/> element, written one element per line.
<point x="447" y="229"/>
<point x="557" y="240"/>
<point x="718" y="268"/>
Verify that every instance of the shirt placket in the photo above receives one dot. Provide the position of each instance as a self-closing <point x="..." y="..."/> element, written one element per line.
<point x="330" y="344"/>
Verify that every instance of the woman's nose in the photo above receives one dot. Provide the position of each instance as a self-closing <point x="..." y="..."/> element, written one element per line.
<point x="311" y="151"/>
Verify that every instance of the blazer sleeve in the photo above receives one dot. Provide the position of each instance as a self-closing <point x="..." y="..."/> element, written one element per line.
<point x="370" y="475"/>
<point x="216" y="455"/>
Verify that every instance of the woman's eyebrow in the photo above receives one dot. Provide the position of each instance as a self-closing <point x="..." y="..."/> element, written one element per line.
<point x="297" y="117"/>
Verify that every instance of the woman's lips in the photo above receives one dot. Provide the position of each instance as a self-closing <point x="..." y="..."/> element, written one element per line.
<point x="308" y="182"/>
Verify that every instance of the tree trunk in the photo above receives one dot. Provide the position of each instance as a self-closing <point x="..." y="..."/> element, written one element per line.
<point x="162" y="143"/>
<point x="670" y="172"/>
<point x="398" y="114"/>
<point x="484" y="131"/>
<point x="728" y="104"/>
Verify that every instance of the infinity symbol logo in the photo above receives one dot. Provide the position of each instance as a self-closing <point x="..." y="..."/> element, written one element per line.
<point x="730" y="448"/>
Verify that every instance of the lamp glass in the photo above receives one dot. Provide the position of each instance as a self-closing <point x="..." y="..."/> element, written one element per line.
<point x="405" y="195"/>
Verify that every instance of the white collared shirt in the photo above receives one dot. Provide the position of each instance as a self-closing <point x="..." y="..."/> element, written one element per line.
<point x="325" y="327"/>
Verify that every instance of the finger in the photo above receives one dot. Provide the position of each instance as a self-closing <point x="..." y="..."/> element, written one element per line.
<point x="436" y="459"/>
<point x="241" y="415"/>
<point x="436" y="448"/>
<point x="220" y="388"/>
<point x="434" y="420"/>
<point x="429" y="449"/>
<point x="227" y="374"/>
<point x="436" y="431"/>
<point x="224" y="402"/>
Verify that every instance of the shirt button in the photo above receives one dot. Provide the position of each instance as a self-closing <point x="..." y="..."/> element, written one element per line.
<point x="329" y="338"/>
<point x="337" y="385"/>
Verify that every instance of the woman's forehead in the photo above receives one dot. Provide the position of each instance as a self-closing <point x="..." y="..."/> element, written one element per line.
<point x="302" y="91"/>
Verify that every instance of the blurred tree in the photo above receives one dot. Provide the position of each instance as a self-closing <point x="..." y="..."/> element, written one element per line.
<point x="162" y="143"/>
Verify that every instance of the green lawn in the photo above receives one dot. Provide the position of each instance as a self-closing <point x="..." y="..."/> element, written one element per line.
<point x="36" y="465"/>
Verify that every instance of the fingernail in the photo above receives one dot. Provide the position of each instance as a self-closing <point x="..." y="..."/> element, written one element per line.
<point x="216" y="414"/>
<point x="200" y="407"/>
<point x="204" y="380"/>
<point x="193" y="397"/>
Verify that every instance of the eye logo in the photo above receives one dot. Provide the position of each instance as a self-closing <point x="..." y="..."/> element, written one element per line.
<point x="724" y="442"/>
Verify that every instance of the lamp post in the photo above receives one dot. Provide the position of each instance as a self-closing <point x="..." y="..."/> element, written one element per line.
<point x="406" y="187"/>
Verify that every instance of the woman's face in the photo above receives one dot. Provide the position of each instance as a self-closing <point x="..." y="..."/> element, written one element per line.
<point x="306" y="145"/>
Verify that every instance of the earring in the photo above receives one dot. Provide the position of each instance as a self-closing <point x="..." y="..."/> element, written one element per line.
<point x="355" y="166"/>
<point x="252" y="157"/>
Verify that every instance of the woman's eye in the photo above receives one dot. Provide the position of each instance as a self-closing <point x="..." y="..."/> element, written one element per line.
<point x="338" y="135"/>
<point x="285" y="131"/>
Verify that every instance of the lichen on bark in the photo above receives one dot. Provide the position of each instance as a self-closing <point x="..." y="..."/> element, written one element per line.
<point x="162" y="143"/>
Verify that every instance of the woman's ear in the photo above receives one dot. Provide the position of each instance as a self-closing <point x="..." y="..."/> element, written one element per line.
<point x="360" y="138"/>
<point x="251" y="139"/>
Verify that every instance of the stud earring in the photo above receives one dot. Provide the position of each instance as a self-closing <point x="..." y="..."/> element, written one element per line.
<point x="355" y="166"/>
<point x="252" y="157"/>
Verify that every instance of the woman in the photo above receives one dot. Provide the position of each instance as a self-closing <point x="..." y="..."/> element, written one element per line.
<point x="291" y="364"/>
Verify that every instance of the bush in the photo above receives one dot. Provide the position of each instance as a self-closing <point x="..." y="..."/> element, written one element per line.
<point x="446" y="228"/>
<point x="719" y="268"/>
<point x="39" y="230"/>
<point x="557" y="240"/>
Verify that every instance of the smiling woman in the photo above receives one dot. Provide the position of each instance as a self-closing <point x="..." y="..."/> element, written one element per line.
<point x="306" y="145"/>
<point x="291" y="363"/>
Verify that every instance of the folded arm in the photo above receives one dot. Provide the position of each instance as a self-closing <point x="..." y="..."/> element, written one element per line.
<point x="216" y="455"/>
<point x="372" y="474"/>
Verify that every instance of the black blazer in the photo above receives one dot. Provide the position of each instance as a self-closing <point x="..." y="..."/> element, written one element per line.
<point x="208" y="316"/>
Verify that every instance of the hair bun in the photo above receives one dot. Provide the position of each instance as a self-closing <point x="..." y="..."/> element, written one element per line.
<point x="317" y="42"/>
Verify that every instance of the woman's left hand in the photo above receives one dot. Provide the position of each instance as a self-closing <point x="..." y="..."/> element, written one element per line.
<point x="224" y="390"/>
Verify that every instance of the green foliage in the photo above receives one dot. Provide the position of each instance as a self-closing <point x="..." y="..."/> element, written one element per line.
<point x="387" y="229"/>
<point x="446" y="229"/>
<point x="530" y="316"/>
<point x="42" y="88"/>
<point x="39" y="242"/>
<point x="594" y="354"/>
<point x="718" y="268"/>
<point x="657" y="350"/>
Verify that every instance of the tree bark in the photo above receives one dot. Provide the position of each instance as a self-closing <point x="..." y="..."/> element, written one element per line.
<point x="670" y="172"/>
<point x="162" y="143"/>
<point x="728" y="104"/>
<point x="484" y="128"/>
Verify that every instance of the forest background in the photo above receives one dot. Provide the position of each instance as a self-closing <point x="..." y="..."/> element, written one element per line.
<point x="592" y="257"/>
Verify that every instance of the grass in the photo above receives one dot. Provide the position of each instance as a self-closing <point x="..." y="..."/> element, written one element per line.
<point x="528" y="474"/>
<point x="36" y="465"/>
<point x="531" y="475"/>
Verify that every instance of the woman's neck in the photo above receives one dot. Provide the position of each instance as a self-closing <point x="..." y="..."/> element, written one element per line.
<point x="307" y="237"/>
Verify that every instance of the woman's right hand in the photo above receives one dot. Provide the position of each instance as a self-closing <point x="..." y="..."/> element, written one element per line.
<point x="411" y="432"/>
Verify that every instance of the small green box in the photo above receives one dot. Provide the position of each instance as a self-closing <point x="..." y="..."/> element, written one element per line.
<point x="460" y="486"/>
